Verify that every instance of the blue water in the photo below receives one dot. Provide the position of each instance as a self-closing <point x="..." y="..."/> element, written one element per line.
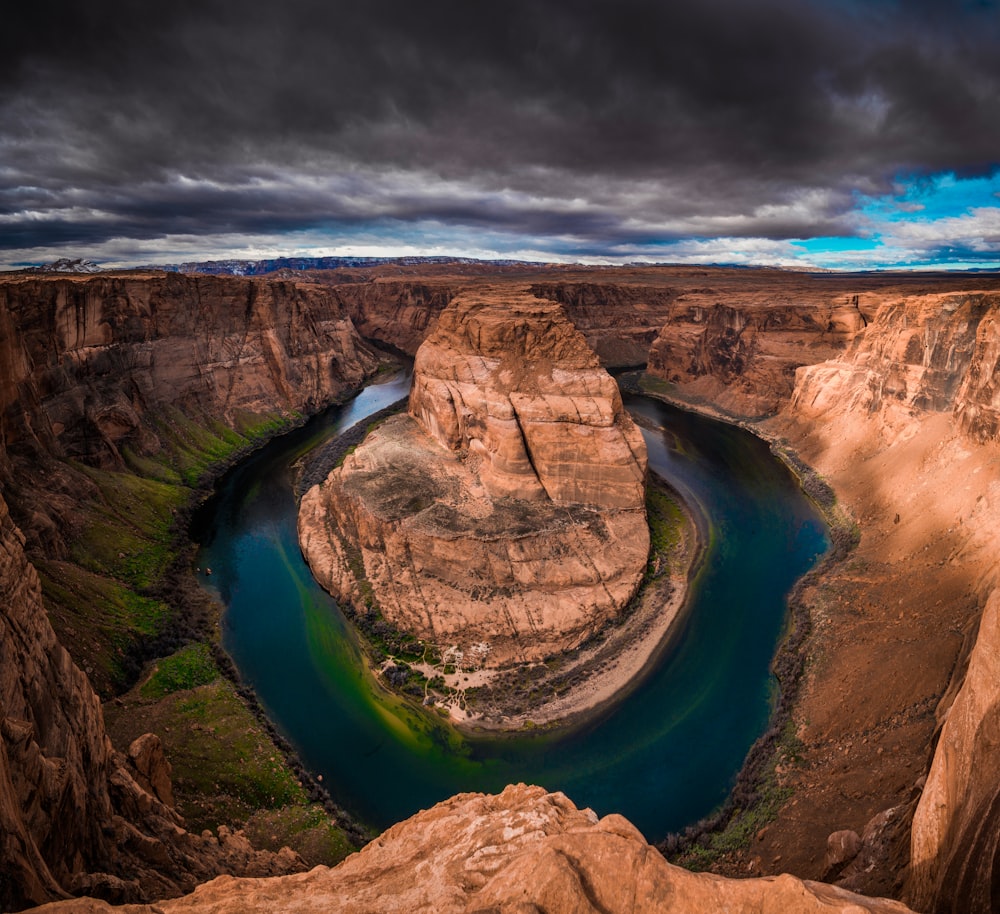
<point x="664" y="756"/>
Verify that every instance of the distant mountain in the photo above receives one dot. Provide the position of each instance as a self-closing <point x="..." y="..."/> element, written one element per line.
<point x="65" y="265"/>
<point x="257" y="267"/>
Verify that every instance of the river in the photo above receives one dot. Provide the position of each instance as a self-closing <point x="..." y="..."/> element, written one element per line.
<point x="664" y="756"/>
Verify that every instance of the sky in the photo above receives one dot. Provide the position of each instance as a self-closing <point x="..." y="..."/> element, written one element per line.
<point x="808" y="133"/>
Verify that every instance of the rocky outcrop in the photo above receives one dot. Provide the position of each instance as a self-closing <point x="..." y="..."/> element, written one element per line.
<point x="911" y="408"/>
<point x="105" y="369"/>
<point x="742" y="350"/>
<point x="955" y="855"/>
<point x="87" y="360"/>
<point x="522" y="851"/>
<point x="74" y="818"/>
<point x="929" y="353"/>
<point x="505" y="514"/>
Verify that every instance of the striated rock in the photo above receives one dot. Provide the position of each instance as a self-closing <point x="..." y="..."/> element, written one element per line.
<point x="505" y="515"/>
<point x="102" y="369"/>
<point x="933" y="353"/>
<point x="512" y="384"/>
<point x="522" y="851"/>
<point x="955" y="842"/>
<point x="742" y="352"/>
<point x="74" y="815"/>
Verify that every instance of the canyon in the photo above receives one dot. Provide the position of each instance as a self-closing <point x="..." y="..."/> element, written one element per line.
<point x="884" y="384"/>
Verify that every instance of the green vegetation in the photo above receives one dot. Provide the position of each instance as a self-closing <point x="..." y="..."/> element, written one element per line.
<point x="114" y="591"/>
<point x="760" y="806"/>
<point x="226" y="767"/>
<point x="666" y="520"/>
<point x="190" y="667"/>
<point x="124" y="589"/>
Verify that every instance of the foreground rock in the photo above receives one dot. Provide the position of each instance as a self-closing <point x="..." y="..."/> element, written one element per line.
<point x="504" y="516"/>
<point x="522" y="851"/>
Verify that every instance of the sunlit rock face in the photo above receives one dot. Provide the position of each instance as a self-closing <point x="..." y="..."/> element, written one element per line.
<point x="504" y="515"/>
<point x="521" y="851"/>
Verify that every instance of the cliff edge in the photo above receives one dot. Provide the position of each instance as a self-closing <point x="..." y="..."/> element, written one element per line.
<point x="521" y="852"/>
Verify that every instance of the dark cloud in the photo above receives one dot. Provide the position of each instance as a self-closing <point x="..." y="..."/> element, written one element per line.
<point x="607" y="121"/>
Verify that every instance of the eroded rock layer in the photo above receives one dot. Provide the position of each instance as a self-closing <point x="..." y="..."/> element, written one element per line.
<point x="522" y="851"/>
<point x="505" y="514"/>
<point x="75" y="815"/>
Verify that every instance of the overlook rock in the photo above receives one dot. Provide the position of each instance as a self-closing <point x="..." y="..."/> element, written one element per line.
<point x="521" y="851"/>
<point x="504" y="514"/>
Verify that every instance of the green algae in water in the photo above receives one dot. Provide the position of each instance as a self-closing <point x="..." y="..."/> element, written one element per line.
<point x="664" y="756"/>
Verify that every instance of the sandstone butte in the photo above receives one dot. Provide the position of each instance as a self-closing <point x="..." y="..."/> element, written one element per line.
<point x="503" y="517"/>
<point x="887" y="385"/>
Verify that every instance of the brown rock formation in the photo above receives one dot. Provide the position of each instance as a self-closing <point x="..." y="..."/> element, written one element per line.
<point x="903" y="424"/>
<point x="741" y="350"/>
<point x="99" y="370"/>
<point x="73" y="816"/>
<point x="505" y="514"/>
<point x="94" y="368"/>
<point x="956" y="827"/>
<point x="522" y="851"/>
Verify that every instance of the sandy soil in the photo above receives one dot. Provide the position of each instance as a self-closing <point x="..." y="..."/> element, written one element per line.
<point x="582" y="682"/>
<point x="891" y="624"/>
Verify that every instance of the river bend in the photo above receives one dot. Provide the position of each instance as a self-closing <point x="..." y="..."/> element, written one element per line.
<point x="664" y="756"/>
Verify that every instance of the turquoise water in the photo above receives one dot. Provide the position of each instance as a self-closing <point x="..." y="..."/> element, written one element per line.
<point x="664" y="756"/>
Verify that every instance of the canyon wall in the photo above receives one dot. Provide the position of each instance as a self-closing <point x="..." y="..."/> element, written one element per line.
<point x="504" y="516"/>
<point x="103" y="372"/>
<point x="910" y="412"/>
<point x="102" y="369"/>
<point x="522" y="851"/>
<point x="77" y="817"/>
<point x="892" y="395"/>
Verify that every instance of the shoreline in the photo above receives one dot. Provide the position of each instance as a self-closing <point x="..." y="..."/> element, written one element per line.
<point x="605" y="670"/>
<point x="769" y="752"/>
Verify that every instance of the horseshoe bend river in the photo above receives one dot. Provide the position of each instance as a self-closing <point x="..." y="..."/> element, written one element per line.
<point x="664" y="756"/>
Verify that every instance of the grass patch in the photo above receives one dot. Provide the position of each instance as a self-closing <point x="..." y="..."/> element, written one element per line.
<point x="227" y="769"/>
<point x="704" y="844"/>
<point x="666" y="520"/>
<point x="190" y="667"/>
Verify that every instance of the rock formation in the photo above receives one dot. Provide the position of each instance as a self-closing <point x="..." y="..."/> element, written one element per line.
<point x="74" y="817"/>
<point x="895" y="401"/>
<point x="909" y="412"/>
<point x="505" y="513"/>
<point x="97" y="368"/>
<point x="522" y="851"/>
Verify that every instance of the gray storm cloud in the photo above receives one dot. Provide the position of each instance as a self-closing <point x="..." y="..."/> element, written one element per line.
<point x="607" y="123"/>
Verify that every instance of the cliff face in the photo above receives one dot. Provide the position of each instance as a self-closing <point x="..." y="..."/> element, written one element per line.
<point x="741" y="350"/>
<point x="101" y="372"/>
<point x="522" y="851"/>
<point x="619" y="320"/>
<point x="909" y="414"/>
<point x="74" y="816"/>
<point x="107" y="369"/>
<point x="85" y="360"/>
<point x="932" y="353"/>
<point x="505" y="515"/>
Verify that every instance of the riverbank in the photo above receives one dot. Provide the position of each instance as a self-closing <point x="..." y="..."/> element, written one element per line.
<point x="231" y="766"/>
<point x="580" y="685"/>
<point x="882" y="625"/>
